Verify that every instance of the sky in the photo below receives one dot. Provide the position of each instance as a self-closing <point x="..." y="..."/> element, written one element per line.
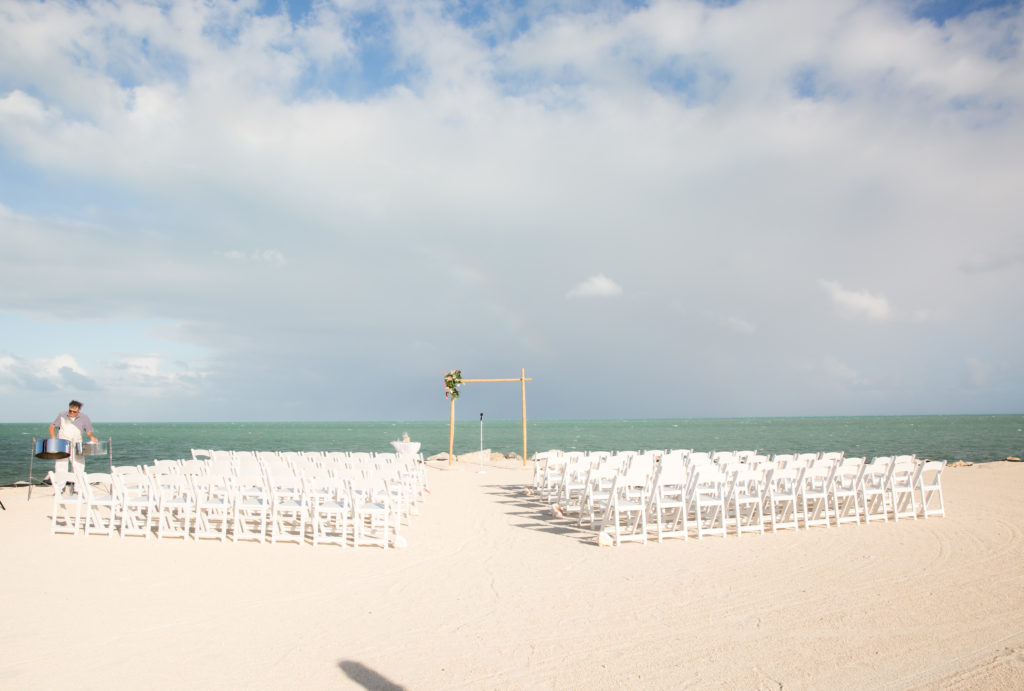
<point x="261" y="210"/>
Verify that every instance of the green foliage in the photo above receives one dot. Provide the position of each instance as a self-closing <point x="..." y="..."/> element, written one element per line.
<point x="452" y="382"/>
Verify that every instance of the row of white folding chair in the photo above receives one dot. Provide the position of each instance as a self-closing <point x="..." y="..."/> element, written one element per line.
<point x="702" y="497"/>
<point x="786" y="497"/>
<point x="76" y="505"/>
<point x="364" y="504"/>
<point x="624" y="514"/>
<point x="270" y="497"/>
<point x="576" y="473"/>
<point x="549" y="479"/>
<point x="852" y="490"/>
<point x="407" y="469"/>
<point x="586" y="480"/>
<point x="337" y="508"/>
<point x="828" y="489"/>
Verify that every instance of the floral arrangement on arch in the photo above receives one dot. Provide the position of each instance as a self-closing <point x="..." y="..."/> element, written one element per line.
<point x="452" y="382"/>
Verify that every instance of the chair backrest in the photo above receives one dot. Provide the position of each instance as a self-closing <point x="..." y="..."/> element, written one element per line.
<point x="832" y="457"/>
<point x="904" y="472"/>
<point x="60" y="479"/>
<point x="848" y="473"/>
<point x="167" y="465"/>
<point x="671" y="474"/>
<point x="193" y="467"/>
<point x="818" y="477"/>
<point x="930" y="472"/>
<point x="876" y="474"/>
<point x="576" y="468"/>
<point x="723" y="457"/>
<point x="784" y="480"/>
<point x="639" y="471"/>
<point x="782" y="460"/>
<point x="675" y="455"/>
<point x="222" y="467"/>
<point x="98" y="485"/>
<point x="130" y="481"/>
<point x="245" y="461"/>
<point x="700" y="458"/>
<point x="709" y="480"/>
<point x="207" y="485"/>
<point x="759" y="461"/>
<point x="748" y="481"/>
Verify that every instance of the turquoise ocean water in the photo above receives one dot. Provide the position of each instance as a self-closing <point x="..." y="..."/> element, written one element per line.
<point x="976" y="438"/>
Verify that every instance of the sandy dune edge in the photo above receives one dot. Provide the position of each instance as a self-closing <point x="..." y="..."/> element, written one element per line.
<point x="493" y="592"/>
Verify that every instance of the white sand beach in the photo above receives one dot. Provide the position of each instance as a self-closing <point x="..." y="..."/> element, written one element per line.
<point x="493" y="592"/>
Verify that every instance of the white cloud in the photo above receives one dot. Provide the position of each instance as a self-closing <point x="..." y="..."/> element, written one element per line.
<point x="598" y="286"/>
<point x="739" y="325"/>
<point x="260" y="256"/>
<point x="840" y="371"/>
<point x="242" y="177"/>
<point x="986" y="264"/>
<point x="43" y="374"/>
<point x="858" y="303"/>
<point x="979" y="373"/>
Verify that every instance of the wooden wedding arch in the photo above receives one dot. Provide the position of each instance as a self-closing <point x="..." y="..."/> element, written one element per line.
<point x="522" y="379"/>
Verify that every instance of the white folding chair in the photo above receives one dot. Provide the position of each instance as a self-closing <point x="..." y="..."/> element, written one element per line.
<point x="667" y="506"/>
<point x="708" y="493"/>
<point x="874" y="489"/>
<point x="213" y="497"/>
<point x="174" y="504"/>
<point x="782" y="494"/>
<point x="61" y="519"/>
<point x="574" y="483"/>
<point x="287" y="504"/>
<point x="551" y="477"/>
<point x="330" y="507"/>
<point x="598" y="490"/>
<point x="100" y="504"/>
<point x="136" y="500"/>
<point x="250" y="504"/>
<point x="371" y="511"/>
<point x="845" y="489"/>
<point x="746" y="501"/>
<point x="625" y="514"/>
<point x="815" y="491"/>
<point x="903" y="486"/>
<point x="929" y="484"/>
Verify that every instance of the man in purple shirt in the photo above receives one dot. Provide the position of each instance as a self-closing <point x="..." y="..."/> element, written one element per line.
<point x="70" y="425"/>
<point x="73" y="417"/>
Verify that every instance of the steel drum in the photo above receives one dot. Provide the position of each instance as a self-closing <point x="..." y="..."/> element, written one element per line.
<point x="53" y="448"/>
<point x="94" y="448"/>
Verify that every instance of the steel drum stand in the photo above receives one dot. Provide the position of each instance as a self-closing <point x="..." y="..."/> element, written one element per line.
<point x="31" y="457"/>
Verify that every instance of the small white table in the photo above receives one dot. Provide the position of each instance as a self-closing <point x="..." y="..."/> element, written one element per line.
<point x="406" y="448"/>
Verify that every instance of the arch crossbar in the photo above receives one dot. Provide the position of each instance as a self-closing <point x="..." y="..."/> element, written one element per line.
<point x="522" y="379"/>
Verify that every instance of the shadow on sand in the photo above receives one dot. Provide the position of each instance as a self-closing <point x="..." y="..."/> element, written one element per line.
<point x="533" y="513"/>
<point x="367" y="678"/>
